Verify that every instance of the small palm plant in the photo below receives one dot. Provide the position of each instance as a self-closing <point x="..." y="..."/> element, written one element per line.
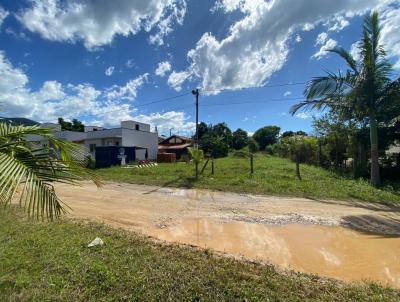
<point x="28" y="170"/>
<point x="197" y="156"/>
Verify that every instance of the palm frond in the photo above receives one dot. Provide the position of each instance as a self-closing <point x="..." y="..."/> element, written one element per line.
<point x="330" y="85"/>
<point x="344" y="54"/>
<point x="28" y="171"/>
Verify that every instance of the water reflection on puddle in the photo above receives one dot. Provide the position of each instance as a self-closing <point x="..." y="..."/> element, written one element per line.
<point x="328" y="251"/>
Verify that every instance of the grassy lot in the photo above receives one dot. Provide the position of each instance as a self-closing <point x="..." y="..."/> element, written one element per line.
<point x="51" y="262"/>
<point x="272" y="175"/>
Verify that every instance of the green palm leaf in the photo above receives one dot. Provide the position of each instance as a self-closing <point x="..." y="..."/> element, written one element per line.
<point x="28" y="171"/>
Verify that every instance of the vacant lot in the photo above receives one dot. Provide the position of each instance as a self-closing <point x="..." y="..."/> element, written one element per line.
<point x="272" y="175"/>
<point x="51" y="261"/>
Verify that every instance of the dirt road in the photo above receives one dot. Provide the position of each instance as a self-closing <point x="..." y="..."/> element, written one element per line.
<point x="293" y="233"/>
<point x="144" y="207"/>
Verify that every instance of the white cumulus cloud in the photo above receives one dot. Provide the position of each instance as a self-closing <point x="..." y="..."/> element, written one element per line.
<point x="321" y="38"/>
<point x="176" y="79"/>
<point x="3" y="14"/>
<point x="322" y="52"/>
<point x="103" y="107"/>
<point x="163" y="68"/>
<point x="256" y="45"/>
<point x="127" y="91"/>
<point x="303" y="115"/>
<point x="130" y="63"/>
<point x="390" y="21"/>
<point x="337" y="24"/>
<point x="109" y="71"/>
<point x="96" y="23"/>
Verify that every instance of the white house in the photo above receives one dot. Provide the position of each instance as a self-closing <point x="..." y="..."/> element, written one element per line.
<point x="129" y="134"/>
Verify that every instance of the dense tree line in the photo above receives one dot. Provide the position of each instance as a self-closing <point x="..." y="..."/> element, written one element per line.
<point x="74" y="125"/>
<point x="217" y="140"/>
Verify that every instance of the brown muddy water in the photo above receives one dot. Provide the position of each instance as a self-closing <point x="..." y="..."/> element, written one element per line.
<point x="329" y="251"/>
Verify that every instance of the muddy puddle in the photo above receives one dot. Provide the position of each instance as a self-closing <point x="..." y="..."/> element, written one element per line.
<point x="329" y="251"/>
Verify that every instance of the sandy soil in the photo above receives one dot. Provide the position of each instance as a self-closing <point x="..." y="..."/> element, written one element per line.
<point x="144" y="208"/>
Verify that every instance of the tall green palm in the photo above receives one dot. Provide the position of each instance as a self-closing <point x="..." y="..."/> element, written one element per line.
<point x="364" y="92"/>
<point x="28" y="170"/>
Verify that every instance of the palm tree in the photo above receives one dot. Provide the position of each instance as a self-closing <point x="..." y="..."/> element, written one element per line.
<point x="197" y="156"/>
<point x="28" y="170"/>
<point x="364" y="92"/>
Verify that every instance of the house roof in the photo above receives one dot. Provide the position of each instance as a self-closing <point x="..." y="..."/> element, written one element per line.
<point x="175" y="147"/>
<point x="184" y="138"/>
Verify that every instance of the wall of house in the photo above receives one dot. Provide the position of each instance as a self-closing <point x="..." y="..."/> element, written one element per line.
<point x="132" y="125"/>
<point x="143" y="139"/>
<point x="101" y="142"/>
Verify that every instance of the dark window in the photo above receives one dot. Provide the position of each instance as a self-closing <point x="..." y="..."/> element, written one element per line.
<point x="92" y="147"/>
<point x="137" y="127"/>
<point x="117" y="143"/>
<point x="94" y="129"/>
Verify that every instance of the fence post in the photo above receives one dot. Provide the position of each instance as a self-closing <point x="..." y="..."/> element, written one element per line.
<point x="251" y="164"/>
<point x="298" y="166"/>
<point x="212" y="166"/>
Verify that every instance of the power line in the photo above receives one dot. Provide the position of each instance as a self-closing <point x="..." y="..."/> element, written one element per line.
<point x="265" y="86"/>
<point x="151" y="102"/>
<point x="253" y="101"/>
<point x="187" y="93"/>
<point x="163" y="100"/>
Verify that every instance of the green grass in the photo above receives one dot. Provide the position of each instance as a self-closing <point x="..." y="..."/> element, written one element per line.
<point x="51" y="262"/>
<point x="272" y="175"/>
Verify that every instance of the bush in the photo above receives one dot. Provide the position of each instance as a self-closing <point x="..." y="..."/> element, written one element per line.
<point x="306" y="147"/>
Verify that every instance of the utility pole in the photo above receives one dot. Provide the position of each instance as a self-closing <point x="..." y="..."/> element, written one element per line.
<point x="195" y="92"/>
<point x="170" y="131"/>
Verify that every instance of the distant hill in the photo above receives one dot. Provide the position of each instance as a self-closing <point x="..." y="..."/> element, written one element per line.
<point x="19" y="121"/>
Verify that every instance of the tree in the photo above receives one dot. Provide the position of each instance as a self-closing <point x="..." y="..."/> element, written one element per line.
<point x="291" y="133"/>
<point x="239" y="139"/>
<point x="75" y="125"/>
<point x="287" y="134"/>
<point x="267" y="135"/>
<point x="214" y="145"/>
<point x="28" y="166"/>
<point x="203" y="129"/>
<point x="222" y="130"/>
<point x="364" y="91"/>
<point x="253" y="145"/>
<point x="336" y="135"/>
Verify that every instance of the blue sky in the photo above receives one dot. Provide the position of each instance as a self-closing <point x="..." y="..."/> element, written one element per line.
<point x="104" y="61"/>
